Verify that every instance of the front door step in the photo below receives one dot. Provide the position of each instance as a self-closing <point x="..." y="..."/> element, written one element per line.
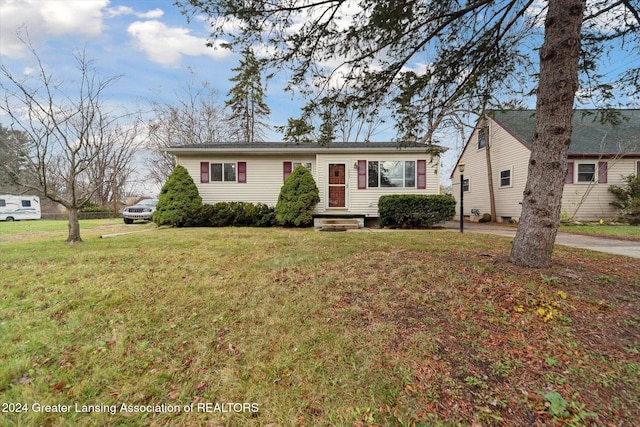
<point x="336" y="224"/>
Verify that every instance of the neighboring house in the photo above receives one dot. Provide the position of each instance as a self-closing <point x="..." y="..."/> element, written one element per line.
<point x="599" y="156"/>
<point x="351" y="177"/>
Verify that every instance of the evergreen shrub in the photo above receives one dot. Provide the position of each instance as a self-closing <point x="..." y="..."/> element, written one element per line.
<point x="236" y="214"/>
<point x="179" y="203"/>
<point x="298" y="196"/>
<point x="628" y="199"/>
<point x="415" y="210"/>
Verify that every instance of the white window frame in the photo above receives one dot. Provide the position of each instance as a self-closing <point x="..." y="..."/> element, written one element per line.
<point x="468" y="181"/>
<point x="308" y="165"/>
<point x="577" y="173"/>
<point x="211" y="176"/>
<point x="510" y="170"/>
<point x="404" y="173"/>
<point x="485" y="131"/>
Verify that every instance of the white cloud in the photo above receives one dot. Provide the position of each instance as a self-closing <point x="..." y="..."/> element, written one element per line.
<point x="152" y="14"/>
<point x="113" y="12"/>
<point x="166" y="45"/>
<point x="42" y="19"/>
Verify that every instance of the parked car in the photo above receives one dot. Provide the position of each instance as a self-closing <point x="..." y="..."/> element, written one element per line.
<point x="142" y="210"/>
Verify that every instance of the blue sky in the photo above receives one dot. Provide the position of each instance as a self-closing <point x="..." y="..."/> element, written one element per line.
<point x="152" y="46"/>
<point x="148" y="42"/>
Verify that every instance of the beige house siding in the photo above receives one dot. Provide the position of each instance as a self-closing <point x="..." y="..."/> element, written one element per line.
<point x="580" y="201"/>
<point x="365" y="201"/>
<point x="583" y="201"/>
<point x="506" y="155"/>
<point x="265" y="179"/>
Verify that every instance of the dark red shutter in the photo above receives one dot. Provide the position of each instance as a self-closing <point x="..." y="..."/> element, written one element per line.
<point x="422" y="174"/>
<point x="204" y="172"/>
<point x="286" y="170"/>
<point x="569" y="178"/>
<point x="602" y="172"/>
<point x="362" y="174"/>
<point x="242" y="172"/>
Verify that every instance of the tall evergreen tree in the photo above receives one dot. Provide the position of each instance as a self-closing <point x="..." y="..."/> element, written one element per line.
<point x="247" y="100"/>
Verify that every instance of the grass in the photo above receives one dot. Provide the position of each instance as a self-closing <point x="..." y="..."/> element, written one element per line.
<point x="257" y="327"/>
<point x="630" y="232"/>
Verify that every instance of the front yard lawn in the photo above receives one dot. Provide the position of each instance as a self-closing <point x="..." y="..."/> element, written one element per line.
<point x="280" y="327"/>
<point x="629" y="232"/>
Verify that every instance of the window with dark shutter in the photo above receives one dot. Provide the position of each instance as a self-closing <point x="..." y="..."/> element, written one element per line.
<point x="204" y="172"/>
<point x="602" y="172"/>
<point x="569" y="178"/>
<point x="242" y="172"/>
<point x="286" y="170"/>
<point x="362" y="174"/>
<point x="422" y="174"/>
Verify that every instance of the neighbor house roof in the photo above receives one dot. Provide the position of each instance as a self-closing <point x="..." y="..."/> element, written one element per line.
<point x="383" y="147"/>
<point x="591" y="135"/>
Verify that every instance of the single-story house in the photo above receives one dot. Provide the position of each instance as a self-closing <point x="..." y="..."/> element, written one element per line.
<point x="600" y="154"/>
<point x="350" y="177"/>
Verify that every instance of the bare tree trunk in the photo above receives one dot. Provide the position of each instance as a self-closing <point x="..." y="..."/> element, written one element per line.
<point x="541" y="205"/>
<point x="492" y="195"/>
<point x="74" y="227"/>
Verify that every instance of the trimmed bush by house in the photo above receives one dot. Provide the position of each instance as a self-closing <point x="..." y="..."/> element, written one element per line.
<point x="236" y="214"/>
<point x="179" y="202"/>
<point x="486" y="217"/>
<point x="415" y="211"/>
<point x="298" y="196"/>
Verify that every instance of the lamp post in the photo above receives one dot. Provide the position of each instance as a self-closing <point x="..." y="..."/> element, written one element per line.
<point x="461" y="169"/>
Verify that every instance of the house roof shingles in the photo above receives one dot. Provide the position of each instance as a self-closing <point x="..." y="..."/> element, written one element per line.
<point x="589" y="137"/>
<point x="283" y="147"/>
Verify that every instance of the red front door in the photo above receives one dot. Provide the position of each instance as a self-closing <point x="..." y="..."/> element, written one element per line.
<point x="337" y="185"/>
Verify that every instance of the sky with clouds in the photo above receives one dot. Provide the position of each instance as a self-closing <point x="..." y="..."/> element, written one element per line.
<point x="148" y="42"/>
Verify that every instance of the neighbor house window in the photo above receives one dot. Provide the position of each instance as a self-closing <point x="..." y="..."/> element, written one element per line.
<point x="505" y="178"/>
<point x="465" y="185"/>
<point x="482" y="137"/>
<point x="637" y="168"/>
<point x="586" y="172"/>
<point x="392" y="174"/>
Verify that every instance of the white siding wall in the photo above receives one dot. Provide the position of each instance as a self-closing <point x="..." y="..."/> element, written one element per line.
<point x="264" y="179"/>
<point x="365" y="201"/>
<point x="506" y="154"/>
<point x="583" y="201"/>
<point x="509" y="153"/>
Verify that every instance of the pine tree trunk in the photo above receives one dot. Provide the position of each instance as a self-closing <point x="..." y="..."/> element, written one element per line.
<point x="541" y="205"/>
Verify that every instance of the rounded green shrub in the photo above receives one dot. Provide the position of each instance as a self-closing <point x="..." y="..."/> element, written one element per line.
<point x="486" y="217"/>
<point x="298" y="196"/>
<point x="414" y="211"/>
<point x="179" y="203"/>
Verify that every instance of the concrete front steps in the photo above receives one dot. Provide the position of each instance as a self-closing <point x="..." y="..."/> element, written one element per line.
<point x="338" y="224"/>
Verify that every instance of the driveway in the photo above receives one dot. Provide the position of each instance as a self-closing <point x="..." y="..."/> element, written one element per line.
<point x="600" y="244"/>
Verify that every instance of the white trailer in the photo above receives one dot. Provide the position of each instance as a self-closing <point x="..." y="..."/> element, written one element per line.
<point x="16" y="208"/>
